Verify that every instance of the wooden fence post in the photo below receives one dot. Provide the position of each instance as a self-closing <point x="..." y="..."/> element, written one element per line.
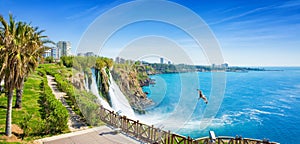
<point x="189" y="140"/>
<point x="137" y="129"/>
<point x="169" y="134"/>
<point x="111" y="119"/>
<point x="151" y="133"/>
<point x="126" y="124"/>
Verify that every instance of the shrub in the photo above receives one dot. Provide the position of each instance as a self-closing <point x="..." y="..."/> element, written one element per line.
<point x="54" y="113"/>
<point x="24" y="124"/>
<point x="87" y="102"/>
<point x="49" y="59"/>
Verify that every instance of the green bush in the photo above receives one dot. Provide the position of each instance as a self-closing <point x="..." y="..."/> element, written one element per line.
<point x="54" y="113"/>
<point x="24" y="124"/>
<point x="67" y="61"/>
<point x="82" y="103"/>
<point x="49" y="59"/>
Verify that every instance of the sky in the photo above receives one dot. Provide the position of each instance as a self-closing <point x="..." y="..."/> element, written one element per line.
<point x="250" y="33"/>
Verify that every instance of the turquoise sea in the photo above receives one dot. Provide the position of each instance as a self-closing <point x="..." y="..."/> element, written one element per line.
<point x="256" y="104"/>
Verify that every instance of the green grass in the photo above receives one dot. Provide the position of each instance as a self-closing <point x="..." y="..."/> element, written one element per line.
<point x="29" y="102"/>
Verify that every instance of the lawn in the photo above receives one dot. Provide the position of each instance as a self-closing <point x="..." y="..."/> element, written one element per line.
<point x="30" y="104"/>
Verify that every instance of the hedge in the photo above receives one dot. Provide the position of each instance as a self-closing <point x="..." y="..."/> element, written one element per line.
<point x="53" y="112"/>
<point x="83" y="103"/>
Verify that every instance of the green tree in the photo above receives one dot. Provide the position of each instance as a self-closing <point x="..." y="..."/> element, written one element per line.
<point x="67" y="61"/>
<point x="49" y="59"/>
<point x="9" y="68"/>
<point x="100" y="63"/>
<point x="31" y="42"/>
<point x="21" y="48"/>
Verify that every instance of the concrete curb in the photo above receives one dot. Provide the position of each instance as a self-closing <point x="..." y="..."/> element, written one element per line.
<point x="82" y="132"/>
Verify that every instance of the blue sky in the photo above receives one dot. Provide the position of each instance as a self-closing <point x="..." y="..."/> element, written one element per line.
<point x="250" y="33"/>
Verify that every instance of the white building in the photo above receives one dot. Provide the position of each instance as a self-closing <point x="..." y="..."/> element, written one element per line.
<point x="54" y="52"/>
<point x="64" y="49"/>
<point x="47" y="53"/>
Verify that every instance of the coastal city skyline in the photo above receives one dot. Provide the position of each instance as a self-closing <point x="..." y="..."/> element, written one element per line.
<point x="250" y="33"/>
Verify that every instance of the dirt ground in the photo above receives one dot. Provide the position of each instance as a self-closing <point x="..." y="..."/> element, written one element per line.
<point x="16" y="135"/>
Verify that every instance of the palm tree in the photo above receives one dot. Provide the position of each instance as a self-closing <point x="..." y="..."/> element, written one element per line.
<point x="9" y="68"/>
<point x="21" y="46"/>
<point x="23" y="37"/>
<point x="33" y="49"/>
<point x="1" y="88"/>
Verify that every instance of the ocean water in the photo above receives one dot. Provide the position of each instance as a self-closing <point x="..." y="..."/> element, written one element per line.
<point x="261" y="104"/>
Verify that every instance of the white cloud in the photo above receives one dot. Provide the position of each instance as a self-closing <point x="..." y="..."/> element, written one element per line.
<point x="83" y="13"/>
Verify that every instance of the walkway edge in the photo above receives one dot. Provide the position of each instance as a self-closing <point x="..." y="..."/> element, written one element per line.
<point x="40" y="141"/>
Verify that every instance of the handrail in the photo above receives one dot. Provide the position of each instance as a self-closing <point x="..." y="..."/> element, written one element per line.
<point x="150" y="134"/>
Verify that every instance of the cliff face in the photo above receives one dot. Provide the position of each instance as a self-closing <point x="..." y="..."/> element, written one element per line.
<point x="78" y="80"/>
<point x="130" y="79"/>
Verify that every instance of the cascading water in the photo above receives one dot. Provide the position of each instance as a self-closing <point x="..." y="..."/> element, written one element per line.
<point x="95" y="91"/>
<point x="119" y="101"/>
<point x="86" y="83"/>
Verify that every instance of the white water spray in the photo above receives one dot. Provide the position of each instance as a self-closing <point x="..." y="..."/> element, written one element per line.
<point x="94" y="90"/>
<point x="119" y="101"/>
<point x="86" y="83"/>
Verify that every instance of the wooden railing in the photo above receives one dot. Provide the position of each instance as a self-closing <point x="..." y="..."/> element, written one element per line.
<point x="150" y="134"/>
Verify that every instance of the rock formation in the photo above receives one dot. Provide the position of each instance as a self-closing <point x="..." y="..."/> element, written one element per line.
<point x="130" y="80"/>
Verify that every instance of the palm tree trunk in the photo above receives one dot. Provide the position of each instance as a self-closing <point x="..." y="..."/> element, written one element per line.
<point x="1" y="88"/>
<point x="19" y="93"/>
<point x="9" y="113"/>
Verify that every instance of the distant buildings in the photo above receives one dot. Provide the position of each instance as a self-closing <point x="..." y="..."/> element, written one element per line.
<point x="161" y="60"/>
<point x="117" y="60"/>
<point x="54" y="52"/>
<point x="51" y="52"/>
<point x="120" y="60"/>
<point x="90" y="54"/>
<point x="64" y="48"/>
<point x="225" y="65"/>
<point x="221" y="66"/>
<point x="86" y="54"/>
<point x="47" y="53"/>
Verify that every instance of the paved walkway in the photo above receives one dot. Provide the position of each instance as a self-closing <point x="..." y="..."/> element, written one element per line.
<point x="75" y="122"/>
<point x="99" y="135"/>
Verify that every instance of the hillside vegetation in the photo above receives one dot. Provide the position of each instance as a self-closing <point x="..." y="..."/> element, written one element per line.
<point x="41" y="115"/>
<point x="83" y="103"/>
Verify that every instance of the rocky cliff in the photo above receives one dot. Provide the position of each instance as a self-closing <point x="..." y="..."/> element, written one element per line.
<point x="130" y="79"/>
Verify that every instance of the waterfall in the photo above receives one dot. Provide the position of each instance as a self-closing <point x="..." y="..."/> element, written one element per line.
<point x="119" y="101"/>
<point x="86" y="82"/>
<point x="94" y="90"/>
